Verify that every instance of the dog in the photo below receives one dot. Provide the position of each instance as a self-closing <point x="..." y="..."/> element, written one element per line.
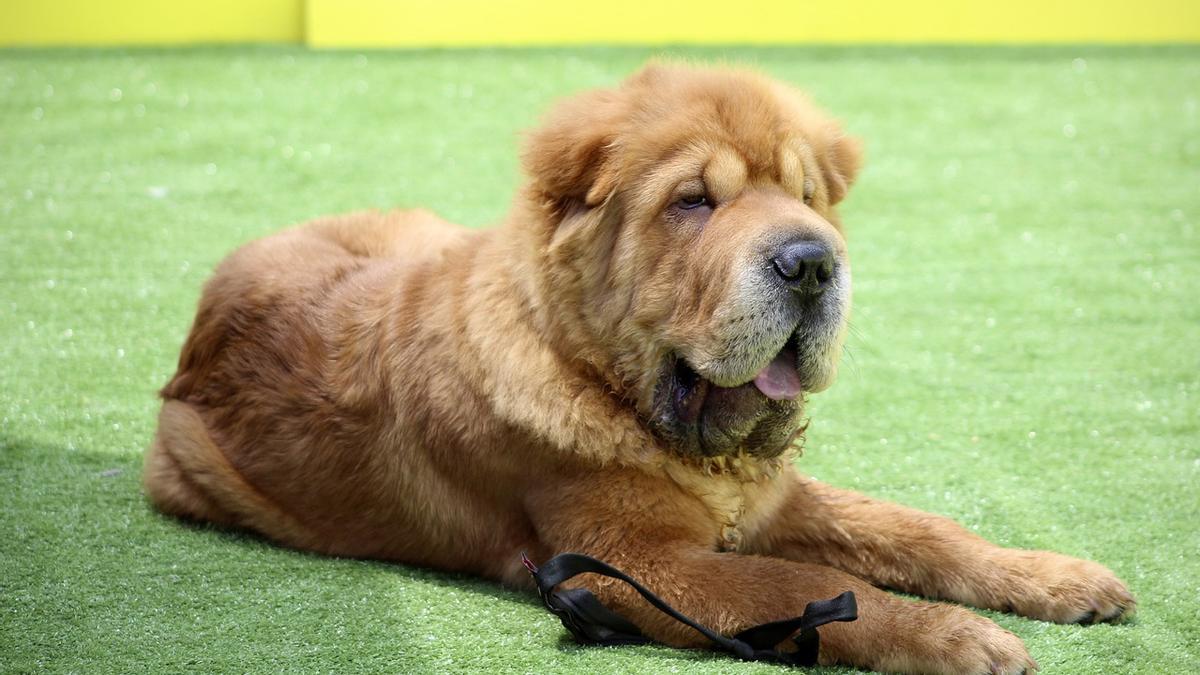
<point x="618" y="370"/>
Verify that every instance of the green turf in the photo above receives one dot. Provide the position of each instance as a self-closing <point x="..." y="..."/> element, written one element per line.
<point x="1025" y="355"/>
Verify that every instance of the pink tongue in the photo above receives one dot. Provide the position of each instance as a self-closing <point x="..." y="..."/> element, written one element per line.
<point x="779" y="380"/>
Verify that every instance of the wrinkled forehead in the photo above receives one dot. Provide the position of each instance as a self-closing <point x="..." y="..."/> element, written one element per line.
<point x="730" y="142"/>
<point x="745" y="115"/>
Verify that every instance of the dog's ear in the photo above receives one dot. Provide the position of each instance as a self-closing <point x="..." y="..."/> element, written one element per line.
<point x="569" y="158"/>
<point x="840" y="163"/>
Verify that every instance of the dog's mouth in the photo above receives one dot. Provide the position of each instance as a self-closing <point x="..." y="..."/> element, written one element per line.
<point x="699" y="417"/>
<point x="779" y="380"/>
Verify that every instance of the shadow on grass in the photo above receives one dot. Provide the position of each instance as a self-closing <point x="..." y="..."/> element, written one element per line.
<point x="565" y="645"/>
<point x="663" y="656"/>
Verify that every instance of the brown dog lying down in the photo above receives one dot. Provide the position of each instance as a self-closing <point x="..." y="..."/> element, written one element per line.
<point x="618" y="370"/>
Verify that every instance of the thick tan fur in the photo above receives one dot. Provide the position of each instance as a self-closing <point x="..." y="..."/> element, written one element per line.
<point x="392" y="386"/>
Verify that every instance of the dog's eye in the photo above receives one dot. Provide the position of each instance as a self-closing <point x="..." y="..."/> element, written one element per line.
<point x="809" y="189"/>
<point x="692" y="202"/>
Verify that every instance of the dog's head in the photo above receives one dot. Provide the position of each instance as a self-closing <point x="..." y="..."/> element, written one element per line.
<point x="691" y="251"/>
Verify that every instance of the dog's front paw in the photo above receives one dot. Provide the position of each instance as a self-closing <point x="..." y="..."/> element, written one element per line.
<point x="964" y="642"/>
<point x="935" y="638"/>
<point x="1062" y="589"/>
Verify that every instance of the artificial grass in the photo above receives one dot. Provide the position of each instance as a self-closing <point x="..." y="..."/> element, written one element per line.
<point x="1025" y="355"/>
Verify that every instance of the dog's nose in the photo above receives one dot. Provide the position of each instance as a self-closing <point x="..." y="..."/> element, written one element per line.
<point x="804" y="265"/>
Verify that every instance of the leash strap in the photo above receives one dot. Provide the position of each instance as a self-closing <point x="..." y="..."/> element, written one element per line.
<point x="592" y="623"/>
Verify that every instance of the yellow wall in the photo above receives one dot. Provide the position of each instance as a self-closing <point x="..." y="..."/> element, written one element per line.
<point x="139" y="22"/>
<point x="422" y="23"/>
<point x="346" y="23"/>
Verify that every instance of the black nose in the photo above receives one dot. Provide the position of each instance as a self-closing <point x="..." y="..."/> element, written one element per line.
<point x="805" y="265"/>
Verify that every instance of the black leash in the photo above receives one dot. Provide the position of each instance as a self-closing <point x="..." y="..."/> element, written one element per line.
<point x="593" y="623"/>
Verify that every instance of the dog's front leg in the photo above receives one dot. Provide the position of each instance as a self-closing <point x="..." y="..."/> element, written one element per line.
<point x="665" y="539"/>
<point x="921" y="553"/>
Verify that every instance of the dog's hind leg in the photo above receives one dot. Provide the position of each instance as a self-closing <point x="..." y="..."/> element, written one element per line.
<point x="187" y="475"/>
<point x="173" y="493"/>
